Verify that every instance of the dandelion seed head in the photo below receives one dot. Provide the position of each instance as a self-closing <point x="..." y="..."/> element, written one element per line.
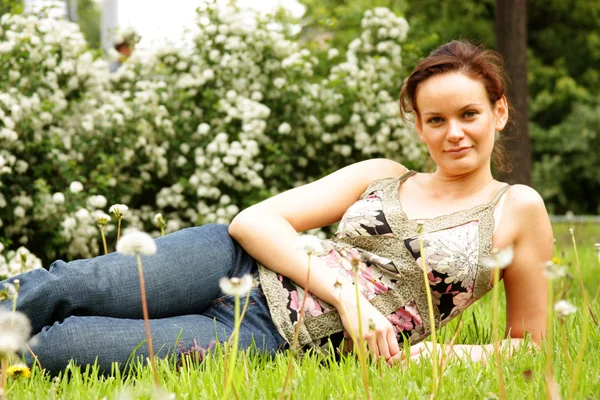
<point x="499" y="258"/>
<point x="136" y="242"/>
<point x="159" y="221"/>
<point x="9" y="290"/>
<point x="563" y="308"/>
<point x="118" y="210"/>
<point x="15" y="329"/>
<point x="236" y="286"/>
<point x="554" y="271"/>
<point x="355" y="262"/>
<point x="102" y="219"/>
<point x="310" y="244"/>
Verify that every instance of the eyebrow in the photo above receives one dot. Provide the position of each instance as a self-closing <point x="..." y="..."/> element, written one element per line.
<point x="462" y="108"/>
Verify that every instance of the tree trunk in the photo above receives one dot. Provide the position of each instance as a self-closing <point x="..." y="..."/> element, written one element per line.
<point x="511" y="43"/>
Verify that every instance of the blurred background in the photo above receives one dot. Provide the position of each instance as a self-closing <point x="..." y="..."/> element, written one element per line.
<point x="197" y="109"/>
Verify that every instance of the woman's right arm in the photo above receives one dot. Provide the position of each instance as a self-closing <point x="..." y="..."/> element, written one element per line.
<point x="268" y="231"/>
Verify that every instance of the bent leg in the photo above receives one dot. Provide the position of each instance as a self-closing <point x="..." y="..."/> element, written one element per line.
<point x="181" y="278"/>
<point x="106" y="340"/>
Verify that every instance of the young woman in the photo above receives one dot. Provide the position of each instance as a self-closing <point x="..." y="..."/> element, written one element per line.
<point x="89" y="310"/>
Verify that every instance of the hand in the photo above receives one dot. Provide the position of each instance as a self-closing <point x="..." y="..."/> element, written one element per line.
<point x="381" y="341"/>
<point x="418" y="352"/>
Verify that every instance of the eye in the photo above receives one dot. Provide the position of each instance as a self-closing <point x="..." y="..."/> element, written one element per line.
<point x="470" y="114"/>
<point x="435" y="120"/>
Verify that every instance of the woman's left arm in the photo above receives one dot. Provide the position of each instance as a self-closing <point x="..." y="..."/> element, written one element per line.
<point x="525" y="285"/>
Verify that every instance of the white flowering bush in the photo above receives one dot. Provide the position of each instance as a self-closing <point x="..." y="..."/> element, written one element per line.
<point x="195" y="134"/>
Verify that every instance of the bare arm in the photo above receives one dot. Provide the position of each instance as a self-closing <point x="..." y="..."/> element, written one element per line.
<point x="269" y="230"/>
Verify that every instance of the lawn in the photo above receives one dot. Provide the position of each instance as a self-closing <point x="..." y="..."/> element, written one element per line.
<point x="317" y="377"/>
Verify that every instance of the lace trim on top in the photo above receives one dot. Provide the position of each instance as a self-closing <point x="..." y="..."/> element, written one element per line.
<point x="405" y="299"/>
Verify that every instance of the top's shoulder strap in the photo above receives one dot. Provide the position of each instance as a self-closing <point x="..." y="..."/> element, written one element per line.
<point x="499" y="194"/>
<point x="406" y="175"/>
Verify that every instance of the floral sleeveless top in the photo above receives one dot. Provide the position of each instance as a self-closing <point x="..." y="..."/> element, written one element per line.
<point x="391" y="277"/>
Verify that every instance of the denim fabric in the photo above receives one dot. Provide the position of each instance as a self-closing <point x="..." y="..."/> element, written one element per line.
<point x="89" y="310"/>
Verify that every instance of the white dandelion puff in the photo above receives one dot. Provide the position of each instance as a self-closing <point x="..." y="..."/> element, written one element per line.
<point x="554" y="271"/>
<point x="159" y="221"/>
<point x="563" y="308"/>
<point x="236" y="286"/>
<point x="310" y="244"/>
<point x="118" y="210"/>
<point x="15" y="329"/>
<point x="499" y="258"/>
<point x="102" y="219"/>
<point x="136" y="242"/>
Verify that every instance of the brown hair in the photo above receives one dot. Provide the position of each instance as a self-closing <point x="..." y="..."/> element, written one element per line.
<point x="471" y="60"/>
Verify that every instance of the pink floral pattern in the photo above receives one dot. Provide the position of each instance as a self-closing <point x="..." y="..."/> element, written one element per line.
<point x="406" y="321"/>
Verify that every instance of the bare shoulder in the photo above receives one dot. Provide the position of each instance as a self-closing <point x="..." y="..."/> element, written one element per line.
<point x="528" y="210"/>
<point x="523" y="200"/>
<point x="380" y="168"/>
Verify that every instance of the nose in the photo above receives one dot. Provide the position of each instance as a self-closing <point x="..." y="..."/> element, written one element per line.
<point x="455" y="132"/>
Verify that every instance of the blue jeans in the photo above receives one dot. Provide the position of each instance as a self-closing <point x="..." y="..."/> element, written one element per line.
<point x="90" y="310"/>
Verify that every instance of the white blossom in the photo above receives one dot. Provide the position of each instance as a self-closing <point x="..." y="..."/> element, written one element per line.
<point x="284" y="128"/>
<point x="136" y="243"/>
<point x="76" y="187"/>
<point x="97" y="201"/>
<point x="58" y="198"/>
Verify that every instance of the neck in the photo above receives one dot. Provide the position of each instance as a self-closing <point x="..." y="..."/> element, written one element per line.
<point x="461" y="185"/>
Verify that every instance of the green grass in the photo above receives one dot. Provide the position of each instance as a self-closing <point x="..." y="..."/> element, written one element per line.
<point x="316" y="377"/>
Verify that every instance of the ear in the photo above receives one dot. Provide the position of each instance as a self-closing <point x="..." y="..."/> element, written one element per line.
<point x="418" y="125"/>
<point x="501" y="112"/>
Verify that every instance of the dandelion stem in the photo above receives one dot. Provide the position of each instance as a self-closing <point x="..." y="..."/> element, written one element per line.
<point x="3" y="376"/>
<point x="565" y="347"/>
<point x="434" y="358"/>
<point x="232" y="357"/>
<point x="162" y="231"/>
<point x="147" y="320"/>
<point x="292" y="353"/>
<point x="585" y="329"/>
<point x="361" y="339"/>
<point x="446" y="358"/>
<point x="17" y="284"/>
<point x="496" y="296"/>
<point x="550" y="340"/>
<point x="119" y="228"/>
<point x="104" y="240"/>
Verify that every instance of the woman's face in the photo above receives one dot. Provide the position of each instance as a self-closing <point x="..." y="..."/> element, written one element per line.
<point x="457" y="122"/>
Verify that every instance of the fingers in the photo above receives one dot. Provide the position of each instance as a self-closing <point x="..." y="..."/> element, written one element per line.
<point x="393" y="343"/>
<point x="372" y="344"/>
<point x="384" y="348"/>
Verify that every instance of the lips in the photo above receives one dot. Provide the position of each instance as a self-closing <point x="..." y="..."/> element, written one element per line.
<point x="458" y="149"/>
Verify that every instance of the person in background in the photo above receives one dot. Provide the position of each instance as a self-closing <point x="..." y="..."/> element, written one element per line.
<point x="125" y="42"/>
